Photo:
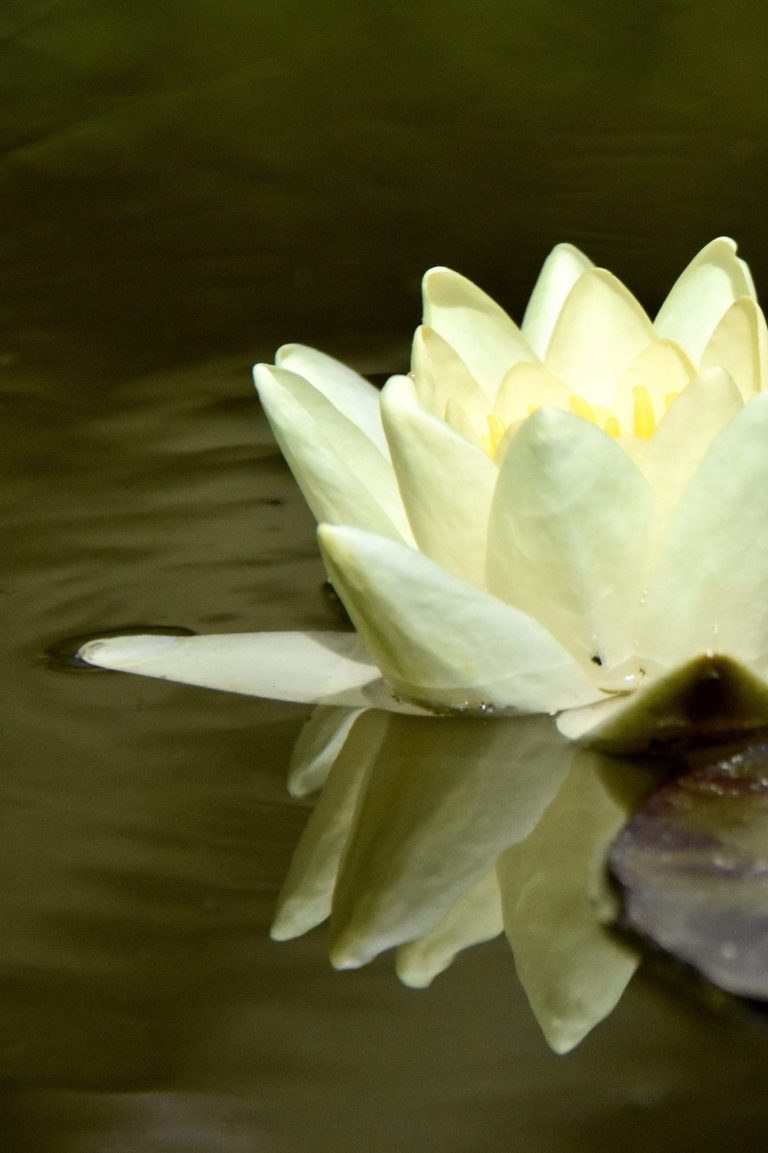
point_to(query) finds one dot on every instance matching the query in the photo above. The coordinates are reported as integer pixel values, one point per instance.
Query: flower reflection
(434, 834)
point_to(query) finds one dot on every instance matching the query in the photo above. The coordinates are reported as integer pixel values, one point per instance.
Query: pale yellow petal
(739, 344)
(560, 271)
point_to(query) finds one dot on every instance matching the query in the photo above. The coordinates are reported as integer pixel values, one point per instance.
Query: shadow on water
(190, 185)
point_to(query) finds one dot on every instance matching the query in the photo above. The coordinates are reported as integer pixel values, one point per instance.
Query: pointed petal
(711, 698)
(739, 344)
(306, 896)
(441, 642)
(573, 971)
(701, 295)
(445, 483)
(599, 332)
(476, 917)
(679, 444)
(560, 271)
(527, 387)
(317, 747)
(344, 477)
(353, 395)
(558, 549)
(707, 591)
(445, 796)
(332, 668)
(487, 340)
(662, 368)
(441, 376)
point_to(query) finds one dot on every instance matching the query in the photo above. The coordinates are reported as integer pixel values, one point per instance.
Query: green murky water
(186, 186)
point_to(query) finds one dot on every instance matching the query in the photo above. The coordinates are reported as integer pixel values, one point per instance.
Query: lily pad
(693, 866)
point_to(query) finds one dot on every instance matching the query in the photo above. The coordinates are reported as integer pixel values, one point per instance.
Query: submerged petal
(443, 799)
(552, 888)
(476, 917)
(485, 337)
(701, 295)
(330, 668)
(558, 549)
(344, 477)
(317, 747)
(306, 896)
(446, 483)
(441, 642)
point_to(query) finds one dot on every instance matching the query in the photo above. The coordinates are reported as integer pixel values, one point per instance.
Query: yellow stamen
(612, 426)
(582, 408)
(496, 430)
(643, 420)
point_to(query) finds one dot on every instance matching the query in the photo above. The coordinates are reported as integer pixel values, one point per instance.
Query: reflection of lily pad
(693, 862)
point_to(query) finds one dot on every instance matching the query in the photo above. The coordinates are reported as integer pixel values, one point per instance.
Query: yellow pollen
(643, 420)
(496, 430)
(582, 408)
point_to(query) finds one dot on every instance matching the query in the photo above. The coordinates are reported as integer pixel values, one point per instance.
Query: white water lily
(561, 517)
(565, 517)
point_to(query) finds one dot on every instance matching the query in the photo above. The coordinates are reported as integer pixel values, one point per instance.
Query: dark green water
(186, 186)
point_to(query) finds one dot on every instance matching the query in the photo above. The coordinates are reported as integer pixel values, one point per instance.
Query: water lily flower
(560, 517)
(565, 517)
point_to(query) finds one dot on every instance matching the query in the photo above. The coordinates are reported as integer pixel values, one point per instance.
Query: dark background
(185, 186)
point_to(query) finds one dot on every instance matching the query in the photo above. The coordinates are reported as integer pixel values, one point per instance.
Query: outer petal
(711, 698)
(344, 477)
(560, 271)
(317, 747)
(475, 917)
(446, 483)
(701, 295)
(445, 796)
(306, 896)
(572, 970)
(441, 642)
(739, 344)
(571, 526)
(487, 340)
(707, 591)
(599, 332)
(693, 421)
(317, 668)
(353, 395)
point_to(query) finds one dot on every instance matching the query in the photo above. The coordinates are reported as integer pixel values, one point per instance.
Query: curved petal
(663, 369)
(353, 395)
(317, 747)
(330, 668)
(306, 896)
(441, 376)
(692, 422)
(572, 970)
(599, 332)
(739, 344)
(702, 294)
(444, 797)
(442, 642)
(707, 591)
(446, 484)
(485, 337)
(527, 387)
(559, 272)
(476, 917)
(560, 548)
(711, 698)
(344, 477)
